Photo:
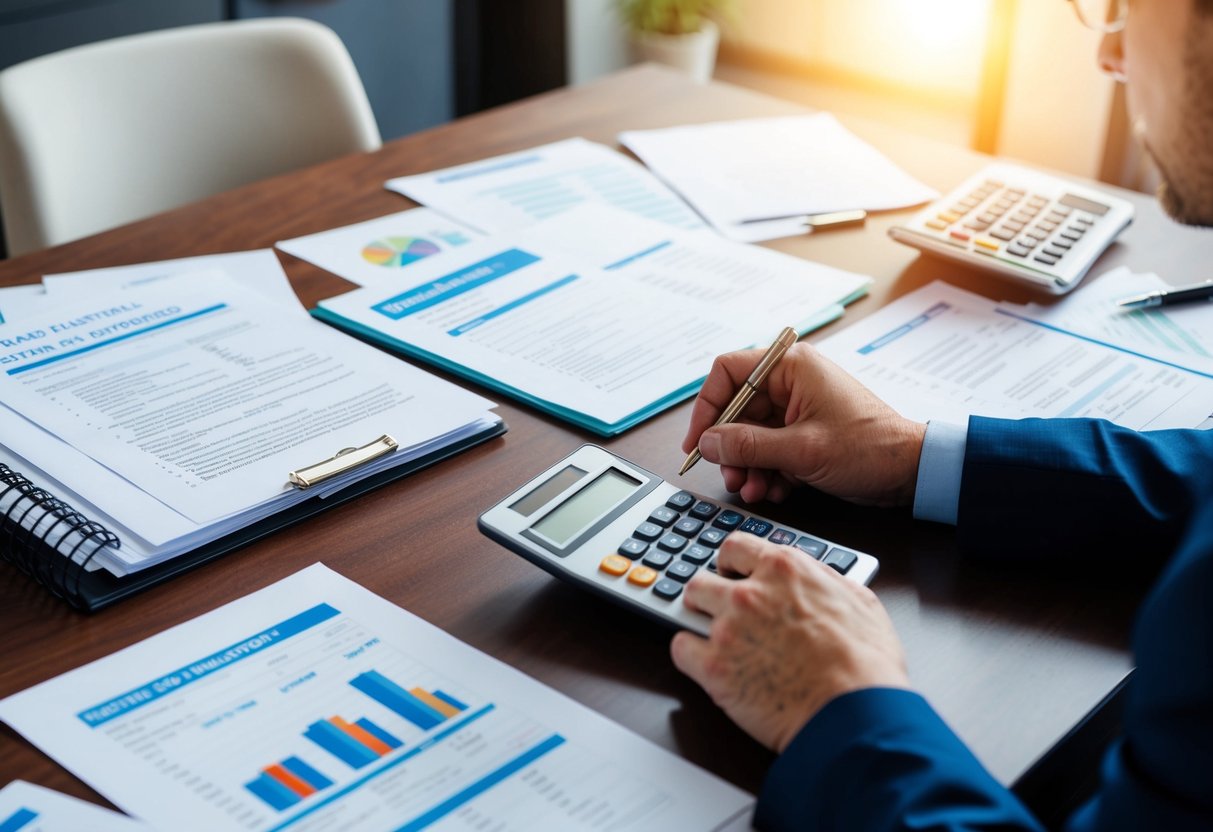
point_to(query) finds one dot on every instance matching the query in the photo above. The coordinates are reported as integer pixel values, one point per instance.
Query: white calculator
(1022, 224)
(620, 531)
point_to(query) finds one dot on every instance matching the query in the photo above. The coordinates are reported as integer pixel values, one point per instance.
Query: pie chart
(398, 251)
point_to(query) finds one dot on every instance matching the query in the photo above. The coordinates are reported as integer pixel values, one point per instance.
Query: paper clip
(347, 459)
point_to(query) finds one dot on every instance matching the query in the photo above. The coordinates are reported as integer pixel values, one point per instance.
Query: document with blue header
(314, 704)
(595, 315)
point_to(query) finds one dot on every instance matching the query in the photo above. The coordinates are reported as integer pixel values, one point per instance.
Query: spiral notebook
(144, 431)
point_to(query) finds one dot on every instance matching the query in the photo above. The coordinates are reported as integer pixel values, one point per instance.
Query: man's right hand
(813, 424)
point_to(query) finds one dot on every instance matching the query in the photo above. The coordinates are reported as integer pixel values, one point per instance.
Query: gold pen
(748, 388)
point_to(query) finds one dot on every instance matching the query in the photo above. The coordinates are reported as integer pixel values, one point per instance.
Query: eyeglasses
(1102, 15)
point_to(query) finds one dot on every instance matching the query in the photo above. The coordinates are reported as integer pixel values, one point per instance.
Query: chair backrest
(104, 134)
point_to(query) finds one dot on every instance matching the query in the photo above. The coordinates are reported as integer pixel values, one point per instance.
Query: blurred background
(1015, 78)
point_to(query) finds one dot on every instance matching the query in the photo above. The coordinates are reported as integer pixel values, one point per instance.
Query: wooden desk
(1010, 661)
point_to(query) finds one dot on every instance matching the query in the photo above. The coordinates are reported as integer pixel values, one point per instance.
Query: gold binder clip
(347, 459)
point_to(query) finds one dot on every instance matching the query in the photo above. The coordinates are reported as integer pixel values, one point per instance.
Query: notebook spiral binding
(46, 538)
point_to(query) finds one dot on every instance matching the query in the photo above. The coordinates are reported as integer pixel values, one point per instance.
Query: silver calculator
(1020, 223)
(611, 527)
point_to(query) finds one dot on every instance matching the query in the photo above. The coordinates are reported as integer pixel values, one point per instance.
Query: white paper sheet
(181, 728)
(598, 312)
(944, 353)
(751, 169)
(258, 270)
(207, 398)
(506, 193)
(25, 807)
(379, 251)
(17, 301)
(1167, 331)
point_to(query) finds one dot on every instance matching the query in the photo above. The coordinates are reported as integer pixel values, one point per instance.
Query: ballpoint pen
(831, 218)
(1181, 294)
(749, 387)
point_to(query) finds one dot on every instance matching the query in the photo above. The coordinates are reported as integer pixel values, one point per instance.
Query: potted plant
(678, 33)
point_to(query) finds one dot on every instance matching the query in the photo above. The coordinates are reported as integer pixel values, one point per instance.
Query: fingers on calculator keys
(615, 565)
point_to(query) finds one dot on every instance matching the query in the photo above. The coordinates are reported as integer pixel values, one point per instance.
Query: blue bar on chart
(423, 708)
(338, 742)
(21, 818)
(284, 784)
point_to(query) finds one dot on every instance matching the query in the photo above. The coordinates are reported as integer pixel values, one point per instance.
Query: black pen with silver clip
(1181, 294)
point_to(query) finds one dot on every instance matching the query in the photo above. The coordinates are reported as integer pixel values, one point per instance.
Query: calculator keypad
(668, 557)
(1015, 224)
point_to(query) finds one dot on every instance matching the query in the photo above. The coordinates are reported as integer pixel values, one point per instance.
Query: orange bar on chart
(444, 708)
(295, 784)
(362, 735)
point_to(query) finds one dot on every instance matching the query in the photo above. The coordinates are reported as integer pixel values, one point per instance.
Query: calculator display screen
(1091, 207)
(610, 489)
(554, 485)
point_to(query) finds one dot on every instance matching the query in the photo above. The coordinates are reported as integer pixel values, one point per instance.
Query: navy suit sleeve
(883, 760)
(1081, 488)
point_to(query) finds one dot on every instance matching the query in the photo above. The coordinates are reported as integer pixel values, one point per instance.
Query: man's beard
(1189, 199)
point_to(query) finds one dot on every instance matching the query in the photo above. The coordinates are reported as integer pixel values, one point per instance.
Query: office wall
(596, 42)
(1056, 109)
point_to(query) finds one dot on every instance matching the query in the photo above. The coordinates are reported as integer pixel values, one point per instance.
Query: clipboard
(68, 580)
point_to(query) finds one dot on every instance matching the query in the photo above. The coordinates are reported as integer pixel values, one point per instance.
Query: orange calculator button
(642, 576)
(614, 565)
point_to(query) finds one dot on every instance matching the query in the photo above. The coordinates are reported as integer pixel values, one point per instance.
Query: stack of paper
(316, 705)
(944, 353)
(173, 410)
(739, 173)
(596, 315)
(25, 807)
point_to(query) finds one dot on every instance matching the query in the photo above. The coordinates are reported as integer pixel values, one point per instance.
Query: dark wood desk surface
(1010, 660)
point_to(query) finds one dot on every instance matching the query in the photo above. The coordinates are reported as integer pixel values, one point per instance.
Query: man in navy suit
(809, 663)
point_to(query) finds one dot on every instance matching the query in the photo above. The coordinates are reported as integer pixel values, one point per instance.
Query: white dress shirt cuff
(937, 497)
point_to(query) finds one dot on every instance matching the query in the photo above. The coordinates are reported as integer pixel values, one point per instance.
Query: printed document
(176, 411)
(1163, 331)
(379, 251)
(314, 704)
(258, 270)
(16, 301)
(509, 192)
(25, 807)
(944, 353)
(738, 171)
(596, 315)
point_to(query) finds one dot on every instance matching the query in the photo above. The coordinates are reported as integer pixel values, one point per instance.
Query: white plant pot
(694, 53)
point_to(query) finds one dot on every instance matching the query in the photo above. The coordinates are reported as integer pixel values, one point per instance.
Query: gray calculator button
(782, 537)
(688, 526)
(1071, 235)
(667, 589)
(648, 531)
(681, 501)
(728, 520)
(633, 548)
(1062, 244)
(663, 516)
(1054, 251)
(1004, 234)
(840, 560)
(1018, 250)
(811, 546)
(681, 571)
(697, 554)
(1047, 259)
(657, 560)
(712, 537)
(704, 510)
(757, 527)
(672, 542)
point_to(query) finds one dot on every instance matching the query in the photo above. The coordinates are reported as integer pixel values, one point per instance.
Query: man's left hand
(787, 636)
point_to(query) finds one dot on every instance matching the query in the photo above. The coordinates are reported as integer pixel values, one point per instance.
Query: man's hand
(812, 423)
(785, 639)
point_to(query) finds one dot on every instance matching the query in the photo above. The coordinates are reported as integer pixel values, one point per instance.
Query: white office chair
(104, 134)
